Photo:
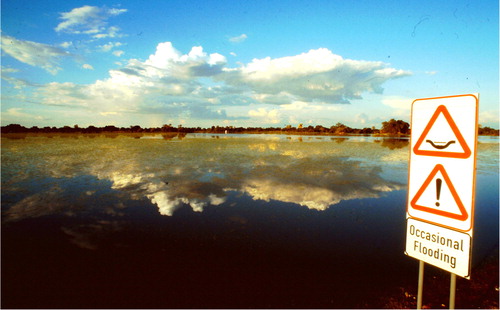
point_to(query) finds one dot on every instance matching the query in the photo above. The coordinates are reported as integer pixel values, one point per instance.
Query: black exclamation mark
(438, 190)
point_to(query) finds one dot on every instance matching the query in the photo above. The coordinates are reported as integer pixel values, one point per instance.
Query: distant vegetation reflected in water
(199, 172)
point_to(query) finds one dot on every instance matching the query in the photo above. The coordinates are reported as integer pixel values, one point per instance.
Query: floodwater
(213, 221)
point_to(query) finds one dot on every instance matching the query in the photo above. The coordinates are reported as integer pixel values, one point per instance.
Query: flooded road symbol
(440, 145)
(442, 127)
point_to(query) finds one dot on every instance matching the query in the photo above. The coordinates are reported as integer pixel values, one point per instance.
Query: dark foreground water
(214, 221)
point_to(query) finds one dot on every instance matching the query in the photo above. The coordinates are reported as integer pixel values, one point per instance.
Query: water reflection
(395, 143)
(316, 184)
(197, 173)
(339, 140)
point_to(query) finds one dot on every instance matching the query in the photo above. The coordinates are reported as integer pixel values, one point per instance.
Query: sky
(243, 63)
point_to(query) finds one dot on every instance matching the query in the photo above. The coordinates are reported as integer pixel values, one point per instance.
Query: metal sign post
(420, 284)
(441, 185)
(453, 286)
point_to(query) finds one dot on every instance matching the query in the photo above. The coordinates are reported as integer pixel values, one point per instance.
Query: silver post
(453, 286)
(420, 284)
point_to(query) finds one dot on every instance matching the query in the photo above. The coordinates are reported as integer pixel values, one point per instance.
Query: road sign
(443, 147)
(441, 247)
(440, 210)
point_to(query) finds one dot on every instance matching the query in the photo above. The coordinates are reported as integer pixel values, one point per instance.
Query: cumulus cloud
(166, 80)
(318, 75)
(87, 67)
(167, 61)
(89, 20)
(34, 54)
(201, 85)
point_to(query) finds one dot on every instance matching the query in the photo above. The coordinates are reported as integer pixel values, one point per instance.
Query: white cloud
(118, 53)
(87, 67)
(265, 115)
(362, 118)
(238, 39)
(167, 61)
(489, 118)
(108, 113)
(9, 70)
(89, 20)
(167, 81)
(66, 44)
(16, 82)
(199, 85)
(398, 102)
(109, 46)
(34, 54)
(64, 94)
(114, 12)
(19, 114)
(111, 32)
(302, 105)
(318, 75)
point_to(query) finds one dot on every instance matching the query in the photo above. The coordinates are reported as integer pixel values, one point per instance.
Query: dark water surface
(204, 221)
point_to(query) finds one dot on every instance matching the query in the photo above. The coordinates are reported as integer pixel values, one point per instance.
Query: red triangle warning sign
(441, 137)
(441, 199)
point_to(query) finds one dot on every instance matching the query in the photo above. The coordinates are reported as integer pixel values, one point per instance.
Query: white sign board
(444, 248)
(442, 171)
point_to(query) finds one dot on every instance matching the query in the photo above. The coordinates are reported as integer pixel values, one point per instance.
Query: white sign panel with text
(444, 248)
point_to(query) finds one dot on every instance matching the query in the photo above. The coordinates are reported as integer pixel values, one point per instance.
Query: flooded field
(214, 221)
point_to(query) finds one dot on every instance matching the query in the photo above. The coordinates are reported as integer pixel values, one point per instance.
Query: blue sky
(243, 63)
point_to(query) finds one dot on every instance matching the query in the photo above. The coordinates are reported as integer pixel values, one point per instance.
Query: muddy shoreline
(480, 292)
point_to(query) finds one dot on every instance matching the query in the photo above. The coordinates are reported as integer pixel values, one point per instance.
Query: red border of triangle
(461, 217)
(456, 131)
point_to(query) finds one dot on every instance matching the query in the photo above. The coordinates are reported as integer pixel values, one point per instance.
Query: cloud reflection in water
(199, 172)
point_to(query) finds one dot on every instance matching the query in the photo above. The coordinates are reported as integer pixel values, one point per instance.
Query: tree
(110, 128)
(487, 131)
(395, 127)
(320, 128)
(340, 129)
(135, 128)
(167, 128)
(13, 128)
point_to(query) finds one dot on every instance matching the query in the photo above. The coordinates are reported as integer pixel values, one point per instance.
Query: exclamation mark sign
(438, 190)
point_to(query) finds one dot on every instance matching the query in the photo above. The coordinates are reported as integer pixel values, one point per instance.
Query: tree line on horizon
(392, 127)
